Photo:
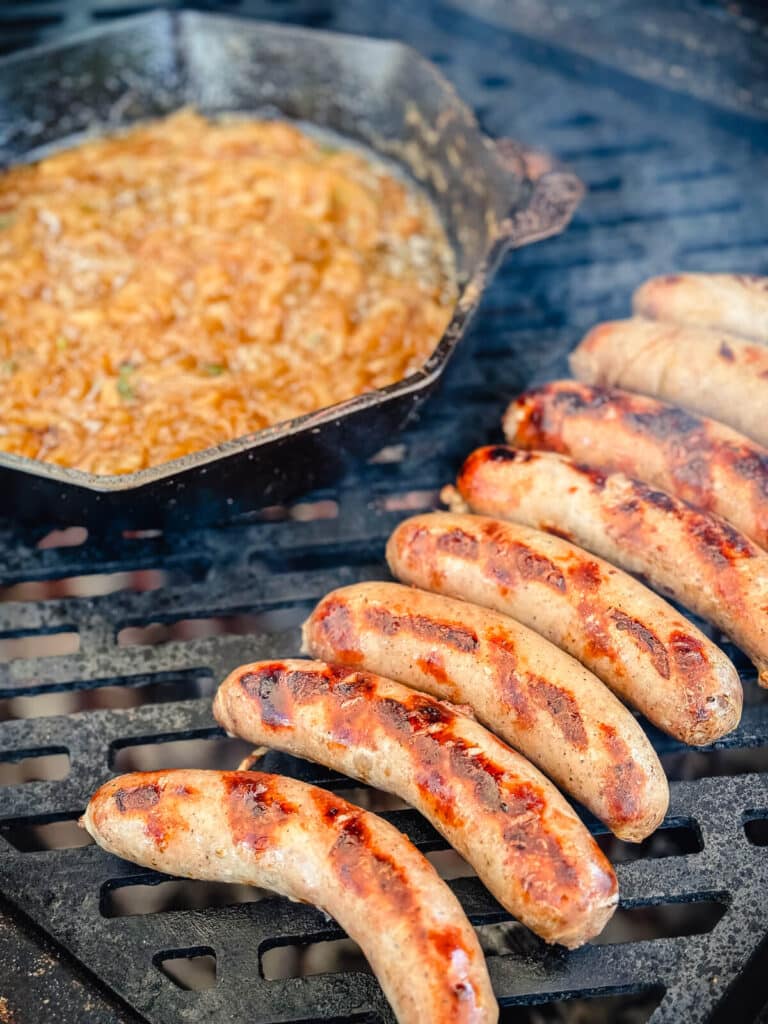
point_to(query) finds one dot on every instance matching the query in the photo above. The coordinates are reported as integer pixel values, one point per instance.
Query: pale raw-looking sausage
(638, 644)
(310, 845)
(709, 372)
(526, 844)
(694, 458)
(536, 697)
(692, 556)
(723, 302)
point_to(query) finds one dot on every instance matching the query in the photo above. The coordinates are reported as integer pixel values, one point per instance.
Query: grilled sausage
(709, 372)
(692, 556)
(527, 845)
(312, 846)
(628, 636)
(691, 457)
(724, 302)
(535, 696)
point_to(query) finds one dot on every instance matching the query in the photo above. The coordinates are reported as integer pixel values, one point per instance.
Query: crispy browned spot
(264, 687)
(368, 871)
(139, 798)
(333, 621)
(644, 638)
(509, 561)
(255, 809)
(692, 664)
(459, 543)
(595, 477)
(562, 708)
(585, 575)
(718, 540)
(726, 352)
(624, 781)
(433, 665)
(432, 630)
(512, 688)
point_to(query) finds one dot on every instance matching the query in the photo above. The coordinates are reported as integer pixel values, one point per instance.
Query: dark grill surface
(674, 183)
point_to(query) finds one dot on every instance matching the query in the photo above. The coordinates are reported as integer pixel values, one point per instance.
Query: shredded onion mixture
(191, 281)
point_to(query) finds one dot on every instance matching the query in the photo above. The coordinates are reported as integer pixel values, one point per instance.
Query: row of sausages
(513, 627)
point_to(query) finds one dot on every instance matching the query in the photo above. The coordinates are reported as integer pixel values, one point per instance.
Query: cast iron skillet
(380, 94)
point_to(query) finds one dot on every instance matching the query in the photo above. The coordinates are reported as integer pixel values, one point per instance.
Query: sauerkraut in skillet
(191, 281)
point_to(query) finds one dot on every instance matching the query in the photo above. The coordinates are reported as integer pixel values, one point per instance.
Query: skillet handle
(555, 195)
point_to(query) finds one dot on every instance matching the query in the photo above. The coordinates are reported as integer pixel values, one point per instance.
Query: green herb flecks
(6, 219)
(125, 382)
(213, 369)
(61, 343)
(9, 366)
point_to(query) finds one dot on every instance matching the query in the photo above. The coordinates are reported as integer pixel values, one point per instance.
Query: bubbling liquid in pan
(191, 281)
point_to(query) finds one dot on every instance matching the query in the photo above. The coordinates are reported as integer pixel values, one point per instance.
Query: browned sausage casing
(501, 814)
(723, 302)
(535, 696)
(692, 556)
(694, 458)
(310, 845)
(628, 636)
(712, 373)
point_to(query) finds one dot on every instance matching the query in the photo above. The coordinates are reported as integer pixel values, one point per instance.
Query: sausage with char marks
(696, 459)
(692, 556)
(642, 648)
(308, 844)
(538, 698)
(526, 844)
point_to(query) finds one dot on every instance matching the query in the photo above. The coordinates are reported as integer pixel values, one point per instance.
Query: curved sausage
(696, 459)
(309, 845)
(634, 641)
(692, 556)
(526, 844)
(712, 373)
(535, 696)
(723, 302)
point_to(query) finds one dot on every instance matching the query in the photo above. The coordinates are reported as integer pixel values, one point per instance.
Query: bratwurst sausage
(694, 458)
(724, 302)
(634, 641)
(709, 372)
(310, 845)
(526, 844)
(535, 696)
(692, 556)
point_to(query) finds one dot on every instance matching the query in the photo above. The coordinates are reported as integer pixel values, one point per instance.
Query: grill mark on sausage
(365, 870)
(421, 626)
(586, 575)
(459, 543)
(513, 689)
(255, 809)
(645, 639)
(509, 561)
(503, 453)
(434, 666)
(692, 664)
(751, 466)
(265, 687)
(139, 798)
(624, 781)
(562, 708)
(333, 620)
(595, 477)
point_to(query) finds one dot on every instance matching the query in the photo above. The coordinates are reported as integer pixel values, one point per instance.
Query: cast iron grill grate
(672, 185)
